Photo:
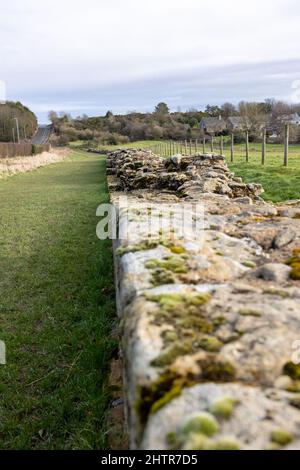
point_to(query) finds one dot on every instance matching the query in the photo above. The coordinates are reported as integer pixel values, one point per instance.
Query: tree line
(162, 124)
(16, 118)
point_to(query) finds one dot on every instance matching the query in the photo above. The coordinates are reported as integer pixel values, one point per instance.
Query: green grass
(138, 144)
(280, 183)
(57, 309)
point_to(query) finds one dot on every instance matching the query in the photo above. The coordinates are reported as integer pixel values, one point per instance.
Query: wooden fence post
(286, 144)
(190, 146)
(263, 146)
(203, 144)
(212, 144)
(196, 145)
(232, 147)
(247, 146)
(221, 145)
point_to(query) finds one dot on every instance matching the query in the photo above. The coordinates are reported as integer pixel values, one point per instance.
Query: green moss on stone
(277, 292)
(168, 356)
(197, 441)
(216, 370)
(220, 253)
(170, 336)
(223, 407)
(249, 312)
(166, 398)
(292, 370)
(172, 300)
(148, 395)
(161, 277)
(281, 437)
(173, 441)
(203, 423)
(210, 343)
(294, 263)
(144, 245)
(249, 264)
(177, 249)
(226, 444)
(175, 264)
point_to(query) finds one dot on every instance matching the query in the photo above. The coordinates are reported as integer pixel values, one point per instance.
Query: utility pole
(286, 143)
(263, 146)
(17, 126)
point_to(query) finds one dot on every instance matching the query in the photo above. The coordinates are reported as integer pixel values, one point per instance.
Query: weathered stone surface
(284, 238)
(273, 272)
(255, 416)
(208, 324)
(139, 169)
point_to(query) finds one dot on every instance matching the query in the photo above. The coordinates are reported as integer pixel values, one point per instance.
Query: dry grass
(12, 166)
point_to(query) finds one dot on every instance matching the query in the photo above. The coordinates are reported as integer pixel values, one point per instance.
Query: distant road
(42, 135)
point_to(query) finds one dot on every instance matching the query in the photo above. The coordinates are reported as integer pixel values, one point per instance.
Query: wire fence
(217, 145)
(27, 149)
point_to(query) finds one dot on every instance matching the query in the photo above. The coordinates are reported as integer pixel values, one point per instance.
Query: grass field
(138, 144)
(57, 308)
(280, 183)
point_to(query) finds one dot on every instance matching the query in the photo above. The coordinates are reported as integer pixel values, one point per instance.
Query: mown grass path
(57, 307)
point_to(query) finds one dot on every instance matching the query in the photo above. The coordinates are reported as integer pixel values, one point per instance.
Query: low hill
(26, 119)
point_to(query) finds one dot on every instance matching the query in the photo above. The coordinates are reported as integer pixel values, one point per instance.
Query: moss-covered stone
(203, 423)
(186, 313)
(210, 343)
(226, 443)
(170, 336)
(167, 384)
(197, 441)
(173, 441)
(249, 264)
(292, 370)
(249, 312)
(166, 398)
(175, 264)
(223, 407)
(144, 245)
(281, 437)
(168, 356)
(294, 263)
(177, 249)
(162, 276)
(216, 370)
(173, 299)
(277, 292)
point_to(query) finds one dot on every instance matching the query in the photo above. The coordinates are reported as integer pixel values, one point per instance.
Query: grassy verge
(57, 308)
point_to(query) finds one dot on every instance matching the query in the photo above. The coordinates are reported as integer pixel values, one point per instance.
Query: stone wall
(208, 325)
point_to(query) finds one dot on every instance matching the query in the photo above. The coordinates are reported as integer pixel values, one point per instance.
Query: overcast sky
(93, 55)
